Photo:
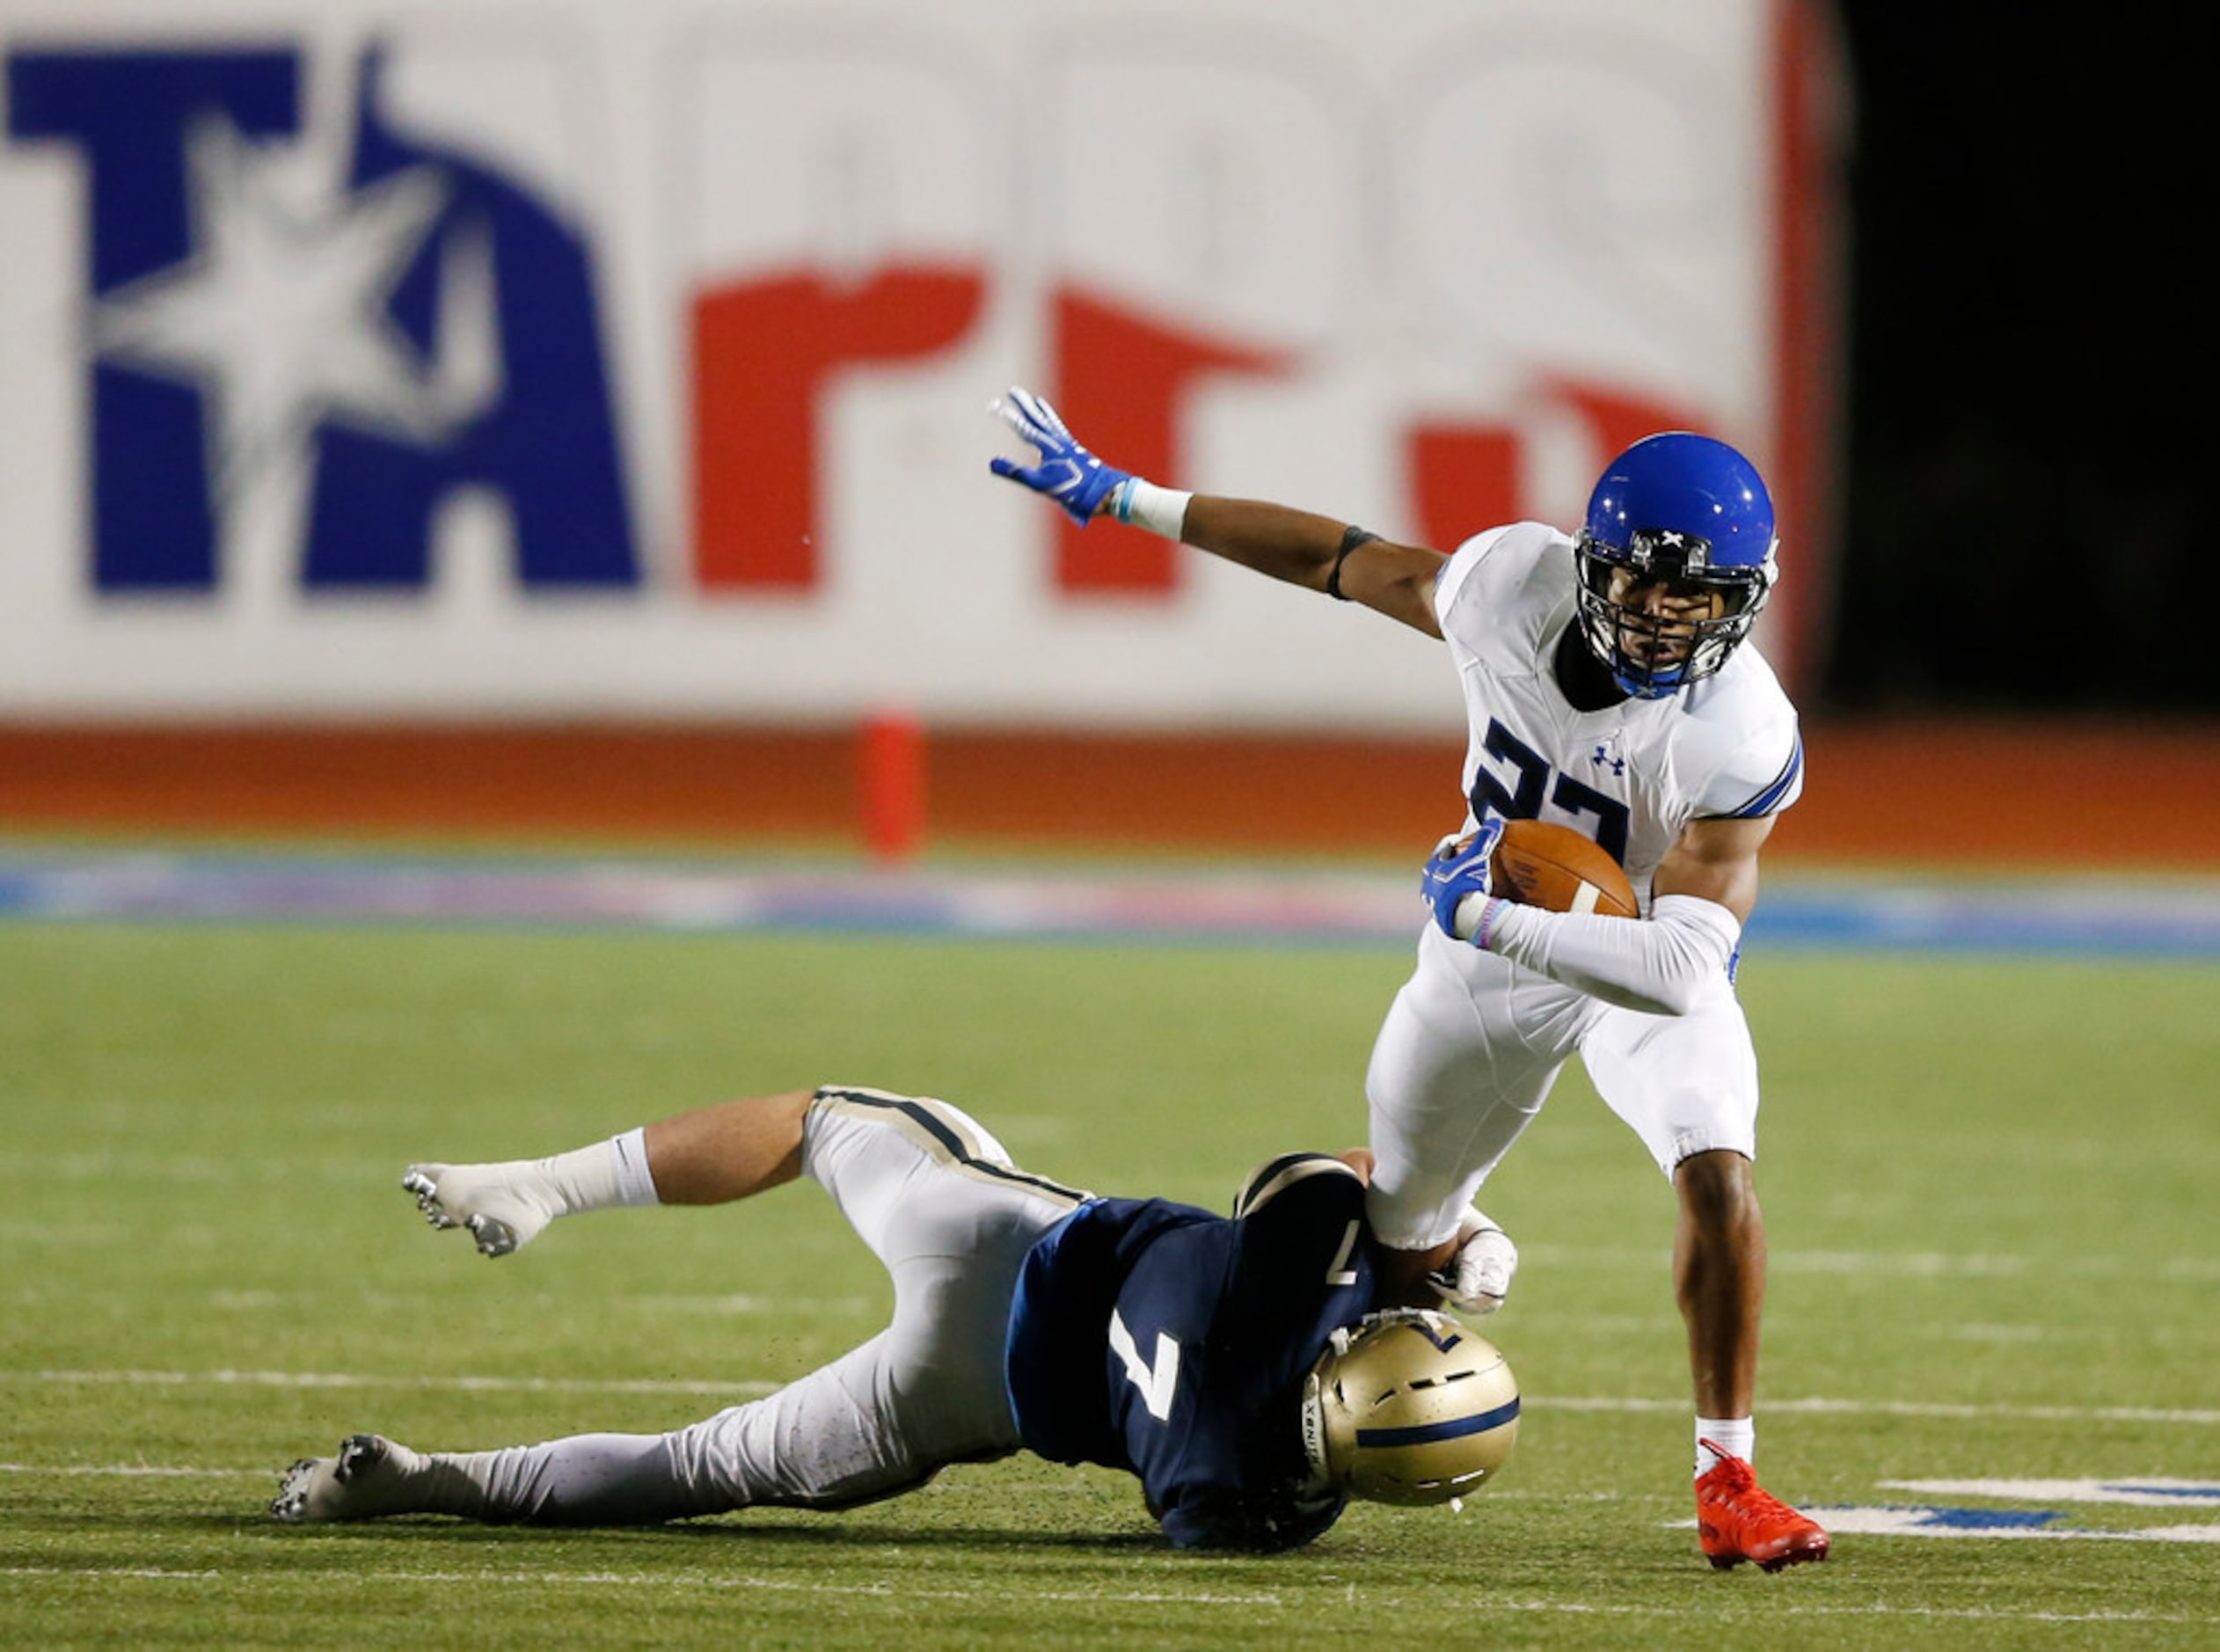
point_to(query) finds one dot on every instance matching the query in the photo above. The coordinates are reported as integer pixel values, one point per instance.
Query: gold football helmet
(1408, 1407)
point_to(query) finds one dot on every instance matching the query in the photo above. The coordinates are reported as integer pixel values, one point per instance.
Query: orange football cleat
(1737, 1520)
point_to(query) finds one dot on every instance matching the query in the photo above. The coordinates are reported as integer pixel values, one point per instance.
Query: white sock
(1735, 1437)
(635, 1184)
(611, 1172)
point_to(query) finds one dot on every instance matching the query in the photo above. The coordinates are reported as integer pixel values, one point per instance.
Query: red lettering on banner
(1463, 477)
(1120, 379)
(763, 351)
(1466, 478)
(1618, 419)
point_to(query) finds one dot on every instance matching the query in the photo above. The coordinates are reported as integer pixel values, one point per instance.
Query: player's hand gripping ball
(1540, 863)
(1456, 878)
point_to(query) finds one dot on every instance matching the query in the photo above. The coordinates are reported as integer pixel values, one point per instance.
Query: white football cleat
(368, 1478)
(1478, 1276)
(502, 1217)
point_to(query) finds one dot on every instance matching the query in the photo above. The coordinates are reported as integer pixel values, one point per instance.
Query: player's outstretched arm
(1320, 554)
(1297, 547)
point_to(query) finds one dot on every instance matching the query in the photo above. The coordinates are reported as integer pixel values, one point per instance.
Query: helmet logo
(1686, 552)
(1443, 1339)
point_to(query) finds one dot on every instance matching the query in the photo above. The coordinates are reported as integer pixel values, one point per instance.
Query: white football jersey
(1630, 776)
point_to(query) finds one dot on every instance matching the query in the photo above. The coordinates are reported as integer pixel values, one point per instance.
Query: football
(1539, 863)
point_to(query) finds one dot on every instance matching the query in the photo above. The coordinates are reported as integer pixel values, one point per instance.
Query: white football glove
(1478, 1276)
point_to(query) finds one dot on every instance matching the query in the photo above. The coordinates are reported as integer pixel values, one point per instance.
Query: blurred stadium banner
(1964, 793)
(630, 359)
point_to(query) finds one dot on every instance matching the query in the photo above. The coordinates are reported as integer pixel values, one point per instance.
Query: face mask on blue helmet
(1687, 515)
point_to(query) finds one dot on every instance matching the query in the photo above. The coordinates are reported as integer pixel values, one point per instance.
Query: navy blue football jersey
(1162, 1339)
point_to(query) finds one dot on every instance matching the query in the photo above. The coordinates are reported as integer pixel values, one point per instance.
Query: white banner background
(1429, 211)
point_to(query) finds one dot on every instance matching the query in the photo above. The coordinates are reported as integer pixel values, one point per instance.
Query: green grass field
(1991, 1190)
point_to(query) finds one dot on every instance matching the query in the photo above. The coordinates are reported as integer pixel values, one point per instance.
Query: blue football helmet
(1677, 520)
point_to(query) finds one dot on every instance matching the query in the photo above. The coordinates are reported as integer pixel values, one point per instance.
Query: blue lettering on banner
(425, 327)
(127, 112)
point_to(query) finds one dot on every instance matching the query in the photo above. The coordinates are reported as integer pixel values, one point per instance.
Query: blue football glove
(1458, 871)
(1067, 473)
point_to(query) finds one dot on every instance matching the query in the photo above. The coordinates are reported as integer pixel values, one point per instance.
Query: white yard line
(132, 1471)
(1819, 1406)
(1889, 1264)
(1815, 1404)
(741, 1389)
(2144, 1491)
(907, 1590)
(1951, 1525)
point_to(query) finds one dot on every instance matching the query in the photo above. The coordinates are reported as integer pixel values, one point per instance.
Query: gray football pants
(938, 1201)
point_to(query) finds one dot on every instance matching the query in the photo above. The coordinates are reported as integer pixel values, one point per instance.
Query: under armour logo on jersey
(1606, 756)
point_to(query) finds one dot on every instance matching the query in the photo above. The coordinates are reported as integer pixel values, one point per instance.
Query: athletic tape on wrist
(1487, 921)
(1161, 510)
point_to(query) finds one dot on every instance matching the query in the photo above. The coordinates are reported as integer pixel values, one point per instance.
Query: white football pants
(938, 1201)
(1471, 1048)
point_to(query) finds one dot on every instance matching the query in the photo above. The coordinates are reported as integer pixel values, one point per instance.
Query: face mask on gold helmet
(1408, 1407)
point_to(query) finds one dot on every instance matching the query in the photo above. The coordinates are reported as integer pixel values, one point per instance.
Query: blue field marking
(2150, 1492)
(1894, 1520)
(2080, 917)
(1989, 1519)
(2139, 917)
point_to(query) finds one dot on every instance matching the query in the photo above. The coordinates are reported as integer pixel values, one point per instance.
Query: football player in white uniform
(1608, 685)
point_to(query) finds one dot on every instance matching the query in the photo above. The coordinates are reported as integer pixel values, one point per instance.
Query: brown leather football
(1540, 863)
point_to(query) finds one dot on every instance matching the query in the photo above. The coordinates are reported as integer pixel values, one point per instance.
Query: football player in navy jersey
(1608, 685)
(1235, 1365)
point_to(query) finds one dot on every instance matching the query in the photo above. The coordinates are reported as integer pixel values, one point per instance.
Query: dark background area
(2030, 419)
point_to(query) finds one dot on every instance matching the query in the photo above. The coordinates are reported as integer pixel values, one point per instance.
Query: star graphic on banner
(279, 314)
